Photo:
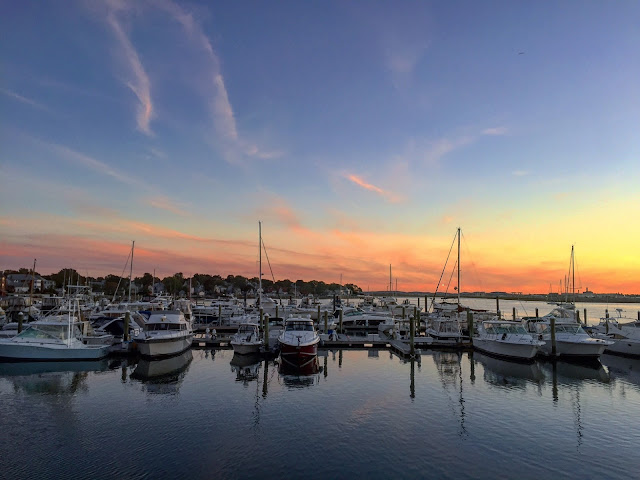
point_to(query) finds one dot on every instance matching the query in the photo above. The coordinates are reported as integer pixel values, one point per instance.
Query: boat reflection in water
(164, 375)
(51, 378)
(623, 368)
(576, 370)
(246, 367)
(300, 376)
(505, 373)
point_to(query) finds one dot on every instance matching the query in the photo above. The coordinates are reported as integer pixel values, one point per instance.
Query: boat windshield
(246, 329)
(150, 327)
(573, 328)
(58, 332)
(299, 326)
(505, 328)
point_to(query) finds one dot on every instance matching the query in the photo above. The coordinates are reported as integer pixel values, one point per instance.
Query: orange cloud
(367, 186)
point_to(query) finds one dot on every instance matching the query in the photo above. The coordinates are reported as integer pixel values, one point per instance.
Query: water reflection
(246, 367)
(623, 368)
(449, 367)
(294, 376)
(507, 374)
(50, 378)
(163, 375)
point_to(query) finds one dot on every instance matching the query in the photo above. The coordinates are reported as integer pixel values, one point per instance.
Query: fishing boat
(165, 333)
(248, 339)
(299, 341)
(53, 338)
(506, 339)
(624, 333)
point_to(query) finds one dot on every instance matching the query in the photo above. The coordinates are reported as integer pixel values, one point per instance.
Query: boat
(49, 339)
(299, 341)
(506, 339)
(625, 335)
(571, 340)
(248, 339)
(165, 333)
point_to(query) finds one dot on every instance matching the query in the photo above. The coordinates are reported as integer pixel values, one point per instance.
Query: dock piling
(326, 322)
(266, 332)
(127, 318)
(553, 337)
(514, 314)
(341, 330)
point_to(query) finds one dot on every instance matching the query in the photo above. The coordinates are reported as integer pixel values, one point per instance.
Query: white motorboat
(299, 341)
(571, 339)
(506, 339)
(248, 339)
(625, 335)
(53, 338)
(164, 333)
(445, 330)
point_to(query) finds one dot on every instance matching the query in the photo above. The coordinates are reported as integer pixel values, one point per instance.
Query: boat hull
(163, 347)
(586, 349)
(499, 348)
(15, 352)
(625, 346)
(298, 355)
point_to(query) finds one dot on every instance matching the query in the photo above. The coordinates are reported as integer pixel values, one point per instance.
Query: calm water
(365, 414)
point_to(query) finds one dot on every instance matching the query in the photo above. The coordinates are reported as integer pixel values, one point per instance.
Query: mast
(33, 280)
(458, 269)
(133, 243)
(573, 276)
(390, 281)
(260, 263)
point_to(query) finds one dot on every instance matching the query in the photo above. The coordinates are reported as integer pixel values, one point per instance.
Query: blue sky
(361, 133)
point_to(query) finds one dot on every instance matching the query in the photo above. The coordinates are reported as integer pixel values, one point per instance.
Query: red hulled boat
(299, 341)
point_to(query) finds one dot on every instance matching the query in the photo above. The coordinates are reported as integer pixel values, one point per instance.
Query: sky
(361, 134)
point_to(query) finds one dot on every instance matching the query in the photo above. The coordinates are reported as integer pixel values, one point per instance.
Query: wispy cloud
(24, 100)
(221, 110)
(138, 80)
(91, 163)
(390, 196)
(495, 131)
(165, 203)
(277, 210)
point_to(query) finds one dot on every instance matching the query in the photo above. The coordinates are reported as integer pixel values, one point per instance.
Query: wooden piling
(553, 337)
(412, 334)
(514, 314)
(277, 310)
(318, 317)
(20, 315)
(498, 306)
(470, 324)
(127, 318)
(578, 316)
(326, 322)
(262, 319)
(536, 313)
(220, 314)
(585, 316)
(341, 330)
(266, 332)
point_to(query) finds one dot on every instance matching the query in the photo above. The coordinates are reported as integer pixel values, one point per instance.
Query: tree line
(178, 284)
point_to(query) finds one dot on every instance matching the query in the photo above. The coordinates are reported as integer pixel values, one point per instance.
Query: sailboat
(570, 338)
(247, 340)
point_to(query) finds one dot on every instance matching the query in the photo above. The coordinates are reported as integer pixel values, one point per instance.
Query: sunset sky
(361, 134)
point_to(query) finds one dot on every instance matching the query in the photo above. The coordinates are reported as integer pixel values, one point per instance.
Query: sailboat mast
(458, 268)
(390, 281)
(133, 243)
(260, 263)
(573, 276)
